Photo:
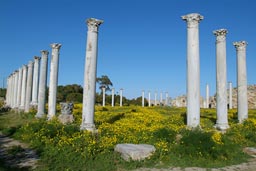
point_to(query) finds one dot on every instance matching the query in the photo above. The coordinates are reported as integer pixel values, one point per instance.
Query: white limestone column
(7, 91)
(155, 98)
(53, 80)
(19, 87)
(242, 106)
(121, 97)
(16, 79)
(193, 69)
(221, 80)
(230, 95)
(103, 96)
(12, 91)
(161, 98)
(143, 98)
(149, 101)
(113, 97)
(207, 96)
(90, 75)
(42, 84)
(35, 80)
(166, 98)
(23, 87)
(29, 86)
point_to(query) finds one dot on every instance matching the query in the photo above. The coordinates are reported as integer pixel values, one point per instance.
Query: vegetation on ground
(65, 147)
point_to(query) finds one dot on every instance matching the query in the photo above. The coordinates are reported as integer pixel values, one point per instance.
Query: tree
(104, 81)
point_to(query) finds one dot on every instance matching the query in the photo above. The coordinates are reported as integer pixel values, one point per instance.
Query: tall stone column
(121, 97)
(143, 98)
(29, 86)
(12, 91)
(149, 101)
(166, 98)
(53, 80)
(155, 98)
(161, 98)
(103, 96)
(193, 69)
(42, 84)
(242, 106)
(221, 80)
(230, 95)
(207, 96)
(35, 80)
(16, 79)
(113, 97)
(23, 87)
(90, 74)
(19, 88)
(7, 91)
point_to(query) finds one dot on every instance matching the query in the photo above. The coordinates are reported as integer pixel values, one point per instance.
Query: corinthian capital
(37, 58)
(241, 45)
(55, 46)
(221, 34)
(44, 52)
(93, 24)
(192, 19)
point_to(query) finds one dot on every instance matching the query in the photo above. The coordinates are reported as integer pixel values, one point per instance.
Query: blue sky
(141, 45)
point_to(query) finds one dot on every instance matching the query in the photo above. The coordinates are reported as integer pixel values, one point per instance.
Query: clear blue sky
(142, 43)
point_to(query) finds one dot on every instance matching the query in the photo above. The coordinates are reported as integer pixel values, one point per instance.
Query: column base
(39, 115)
(89, 127)
(221, 126)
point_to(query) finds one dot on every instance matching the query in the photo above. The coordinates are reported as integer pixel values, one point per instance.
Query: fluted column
(143, 98)
(23, 87)
(29, 86)
(35, 80)
(42, 84)
(230, 95)
(221, 80)
(121, 97)
(207, 96)
(113, 97)
(242, 106)
(19, 88)
(90, 74)
(53, 80)
(193, 69)
(103, 96)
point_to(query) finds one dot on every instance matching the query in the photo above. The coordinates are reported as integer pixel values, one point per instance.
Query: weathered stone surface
(66, 113)
(135, 151)
(66, 119)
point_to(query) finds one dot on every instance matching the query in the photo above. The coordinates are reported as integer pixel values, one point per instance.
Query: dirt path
(16, 154)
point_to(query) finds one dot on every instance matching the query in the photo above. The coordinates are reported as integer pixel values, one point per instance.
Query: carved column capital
(192, 19)
(241, 45)
(93, 24)
(55, 46)
(220, 34)
(37, 58)
(44, 52)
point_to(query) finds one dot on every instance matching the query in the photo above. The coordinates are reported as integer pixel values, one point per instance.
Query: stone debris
(135, 151)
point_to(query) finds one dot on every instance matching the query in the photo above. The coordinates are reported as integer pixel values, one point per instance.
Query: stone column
(42, 84)
(113, 97)
(207, 96)
(16, 79)
(193, 69)
(143, 98)
(90, 75)
(23, 87)
(121, 97)
(166, 99)
(35, 81)
(242, 106)
(230, 95)
(103, 96)
(155, 98)
(29, 86)
(149, 102)
(19, 88)
(7, 91)
(12, 91)
(161, 98)
(53, 80)
(221, 80)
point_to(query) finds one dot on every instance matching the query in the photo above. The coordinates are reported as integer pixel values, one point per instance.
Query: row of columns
(26, 87)
(193, 75)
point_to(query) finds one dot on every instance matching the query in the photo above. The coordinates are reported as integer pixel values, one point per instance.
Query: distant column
(12, 90)
(90, 75)
(230, 95)
(166, 98)
(242, 106)
(7, 91)
(121, 97)
(207, 96)
(103, 96)
(35, 80)
(221, 80)
(155, 98)
(149, 102)
(42, 84)
(161, 98)
(53, 80)
(23, 87)
(16, 79)
(29, 86)
(113, 97)
(19, 88)
(143, 98)
(193, 69)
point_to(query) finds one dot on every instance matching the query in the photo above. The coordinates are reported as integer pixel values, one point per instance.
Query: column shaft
(29, 87)
(113, 97)
(103, 96)
(23, 87)
(230, 95)
(149, 101)
(35, 81)
(143, 98)
(121, 97)
(19, 88)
